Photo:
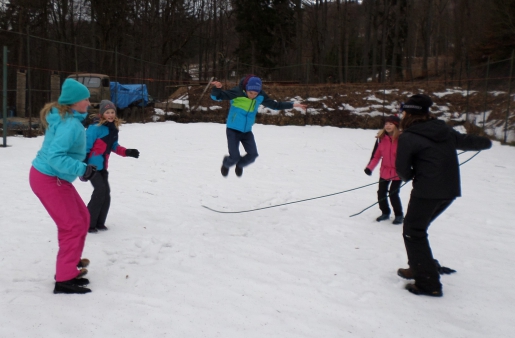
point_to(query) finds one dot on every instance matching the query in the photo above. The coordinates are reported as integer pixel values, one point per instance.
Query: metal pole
(116, 74)
(142, 77)
(307, 72)
(486, 91)
(76, 58)
(29, 98)
(468, 91)
(4, 105)
(143, 102)
(509, 99)
(445, 72)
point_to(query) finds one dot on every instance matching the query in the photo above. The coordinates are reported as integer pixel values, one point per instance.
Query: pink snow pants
(71, 216)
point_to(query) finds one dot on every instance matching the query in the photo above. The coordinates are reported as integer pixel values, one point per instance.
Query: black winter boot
(238, 171)
(398, 219)
(418, 291)
(92, 230)
(102, 228)
(383, 217)
(79, 281)
(69, 287)
(224, 171)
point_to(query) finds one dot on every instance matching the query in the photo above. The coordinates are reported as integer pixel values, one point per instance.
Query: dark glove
(89, 173)
(132, 153)
(368, 172)
(443, 270)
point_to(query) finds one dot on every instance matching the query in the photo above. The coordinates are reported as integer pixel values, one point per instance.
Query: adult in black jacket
(427, 155)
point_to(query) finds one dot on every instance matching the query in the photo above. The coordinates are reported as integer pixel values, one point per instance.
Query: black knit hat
(418, 104)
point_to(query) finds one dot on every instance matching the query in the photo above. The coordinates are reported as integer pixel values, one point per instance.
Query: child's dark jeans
(234, 137)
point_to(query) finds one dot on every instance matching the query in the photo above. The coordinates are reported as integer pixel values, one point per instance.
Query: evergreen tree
(266, 28)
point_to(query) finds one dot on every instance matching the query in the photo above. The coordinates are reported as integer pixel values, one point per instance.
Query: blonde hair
(117, 121)
(62, 109)
(396, 133)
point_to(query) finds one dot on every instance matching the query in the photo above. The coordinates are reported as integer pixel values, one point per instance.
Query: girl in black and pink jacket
(102, 139)
(385, 150)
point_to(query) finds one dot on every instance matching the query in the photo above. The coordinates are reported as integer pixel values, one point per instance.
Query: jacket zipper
(247, 117)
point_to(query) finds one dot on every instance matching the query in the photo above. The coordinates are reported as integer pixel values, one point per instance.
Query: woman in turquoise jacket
(245, 101)
(57, 164)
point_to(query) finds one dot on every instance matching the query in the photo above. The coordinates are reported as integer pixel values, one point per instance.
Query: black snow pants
(100, 201)
(421, 212)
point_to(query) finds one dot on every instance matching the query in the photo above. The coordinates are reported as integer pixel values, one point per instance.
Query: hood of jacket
(54, 117)
(241, 83)
(244, 80)
(435, 130)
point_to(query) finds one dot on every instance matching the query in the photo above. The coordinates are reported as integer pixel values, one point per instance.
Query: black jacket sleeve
(374, 150)
(218, 94)
(404, 160)
(471, 142)
(272, 104)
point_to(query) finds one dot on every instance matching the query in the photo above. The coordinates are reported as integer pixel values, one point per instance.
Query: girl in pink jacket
(386, 151)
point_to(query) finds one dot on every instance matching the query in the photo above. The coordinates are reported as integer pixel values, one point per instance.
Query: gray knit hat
(105, 105)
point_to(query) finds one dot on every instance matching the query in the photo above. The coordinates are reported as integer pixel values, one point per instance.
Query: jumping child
(102, 138)
(245, 100)
(385, 150)
(56, 166)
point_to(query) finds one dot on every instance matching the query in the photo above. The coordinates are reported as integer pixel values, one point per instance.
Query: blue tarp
(123, 95)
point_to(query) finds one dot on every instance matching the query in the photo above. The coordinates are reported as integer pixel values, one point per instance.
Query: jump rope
(333, 194)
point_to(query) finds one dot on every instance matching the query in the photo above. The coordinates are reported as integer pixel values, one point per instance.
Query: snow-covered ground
(168, 267)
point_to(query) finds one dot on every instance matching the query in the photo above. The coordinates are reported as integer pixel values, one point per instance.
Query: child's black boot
(224, 171)
(238, 171)
(383, 217)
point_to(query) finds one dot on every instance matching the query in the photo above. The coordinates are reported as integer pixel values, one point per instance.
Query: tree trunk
(368, 32)
(339, 40)
(393, 69)
(426, 35)
(346, 34)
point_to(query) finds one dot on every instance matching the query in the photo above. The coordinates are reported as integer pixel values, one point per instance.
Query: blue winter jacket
(64, 147)
(242, 113)
(100, 141)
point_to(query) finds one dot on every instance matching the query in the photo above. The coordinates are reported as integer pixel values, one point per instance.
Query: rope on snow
(405, 184)
(318, 197)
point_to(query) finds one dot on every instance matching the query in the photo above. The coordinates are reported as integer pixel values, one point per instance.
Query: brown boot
(405, 273)
(82, 273)
(83, 263)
